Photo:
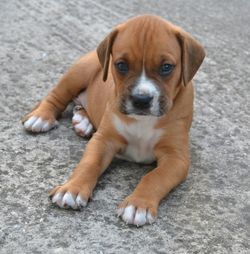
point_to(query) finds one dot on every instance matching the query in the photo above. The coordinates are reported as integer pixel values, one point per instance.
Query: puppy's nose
(141, 101)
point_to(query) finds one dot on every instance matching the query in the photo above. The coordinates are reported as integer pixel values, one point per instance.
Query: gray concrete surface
(209, 213)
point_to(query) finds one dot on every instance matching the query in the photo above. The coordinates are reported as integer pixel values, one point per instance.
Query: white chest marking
(141, 137)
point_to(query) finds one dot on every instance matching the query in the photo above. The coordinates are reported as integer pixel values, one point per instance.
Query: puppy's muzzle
(141, 101)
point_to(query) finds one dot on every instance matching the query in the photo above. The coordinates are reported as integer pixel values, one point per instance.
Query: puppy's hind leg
(44, 116)
(80, 121)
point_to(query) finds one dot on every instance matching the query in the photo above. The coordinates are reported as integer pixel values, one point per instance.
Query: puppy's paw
(69, 196)
(38, 124)
(38, 121)
(137, 211)
(82, 125)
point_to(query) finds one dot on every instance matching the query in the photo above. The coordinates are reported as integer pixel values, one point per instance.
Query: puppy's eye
(166, 69)
(122, 67)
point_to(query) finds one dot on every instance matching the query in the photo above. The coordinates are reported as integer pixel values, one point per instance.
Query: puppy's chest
(141, 138)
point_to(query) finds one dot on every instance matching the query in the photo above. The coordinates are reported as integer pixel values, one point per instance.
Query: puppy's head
(150, 59)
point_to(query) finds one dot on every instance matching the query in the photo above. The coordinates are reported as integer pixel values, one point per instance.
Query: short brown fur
(171, 152)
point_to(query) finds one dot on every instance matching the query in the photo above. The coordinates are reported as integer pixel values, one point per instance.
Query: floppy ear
(192, 55)
(104, 50)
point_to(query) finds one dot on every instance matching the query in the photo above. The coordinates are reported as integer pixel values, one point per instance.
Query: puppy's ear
(104, 50)
(192, 55)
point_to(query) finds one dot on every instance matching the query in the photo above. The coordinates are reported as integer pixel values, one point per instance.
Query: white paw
(137, 217)
(37, 124)
(82, 125)
(68, 200)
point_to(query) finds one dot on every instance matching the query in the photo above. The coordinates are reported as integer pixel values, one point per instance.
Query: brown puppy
(136, 91)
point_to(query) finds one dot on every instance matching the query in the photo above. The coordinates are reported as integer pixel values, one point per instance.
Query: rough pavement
(209, 213)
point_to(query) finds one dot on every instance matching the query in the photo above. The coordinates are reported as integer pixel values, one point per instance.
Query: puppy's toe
(81, 202)
(57, 199)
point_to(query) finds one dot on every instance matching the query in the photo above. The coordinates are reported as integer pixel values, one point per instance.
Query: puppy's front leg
(141, 206)
(76, 192)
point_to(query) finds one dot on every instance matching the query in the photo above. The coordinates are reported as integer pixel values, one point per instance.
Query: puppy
(136, 91)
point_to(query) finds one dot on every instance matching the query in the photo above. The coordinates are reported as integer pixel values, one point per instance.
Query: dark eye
(122, 67)
(166, 69)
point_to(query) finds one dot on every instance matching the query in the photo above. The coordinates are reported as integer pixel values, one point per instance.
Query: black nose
(141, 101)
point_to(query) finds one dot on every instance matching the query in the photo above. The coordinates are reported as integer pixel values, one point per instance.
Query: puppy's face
(146, 68)
(147, 65)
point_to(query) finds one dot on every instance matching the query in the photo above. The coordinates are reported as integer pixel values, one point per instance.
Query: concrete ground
(209, 213)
